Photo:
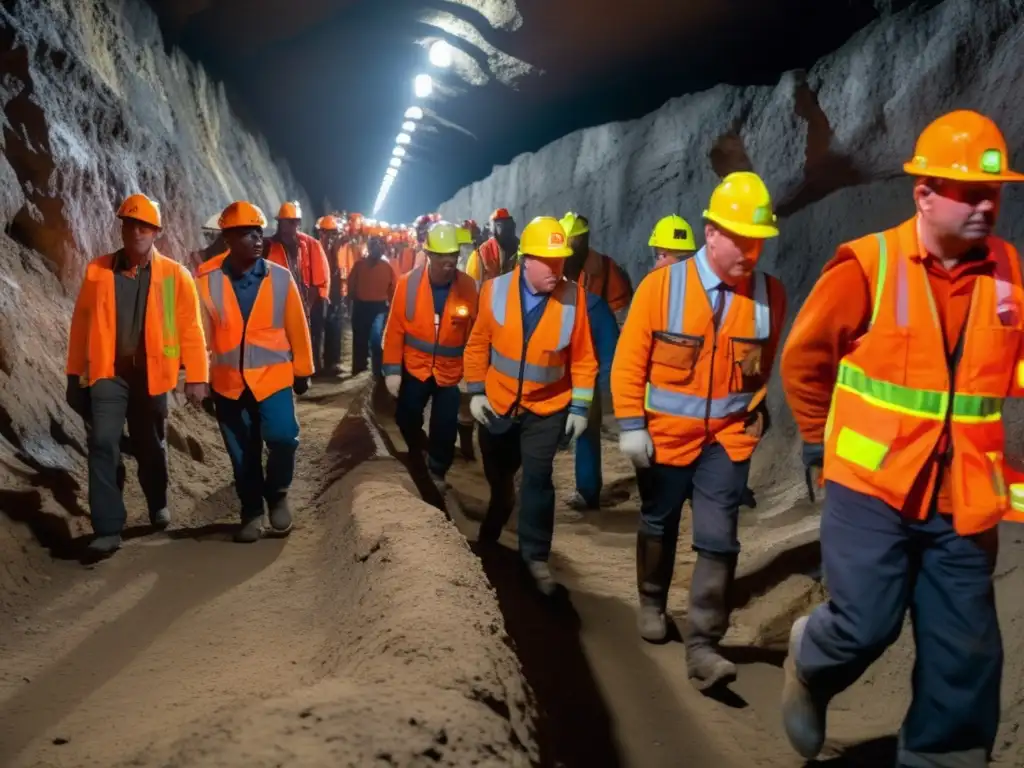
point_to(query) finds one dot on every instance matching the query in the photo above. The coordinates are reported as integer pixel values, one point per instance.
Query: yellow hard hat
(673, 233)
(141, 208)
(242, 214)
(463, 236)
(290, 210)
(442, 238)
(544, 237)
(574, 224)
(741, 205)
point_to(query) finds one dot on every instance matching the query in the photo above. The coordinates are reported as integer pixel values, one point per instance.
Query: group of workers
(895, 370)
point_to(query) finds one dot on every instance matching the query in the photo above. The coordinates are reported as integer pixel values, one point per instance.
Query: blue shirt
(246, 285)
(604, 329)
(712, 283)
(533, 307)
(440, 293)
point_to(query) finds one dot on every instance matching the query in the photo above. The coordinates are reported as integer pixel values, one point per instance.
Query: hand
(813, 455)
(77, 397)
(637, 446)
(575, 425)
(393, 383)
(301, 385)
(481, 409)
(196, 393)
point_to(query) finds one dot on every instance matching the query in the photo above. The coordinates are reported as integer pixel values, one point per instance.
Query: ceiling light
(403, 138)
(409, 126)
(392, 172)
(440, 54)
(396, 162)
(414, 113)
(423, 86)
(398, 151)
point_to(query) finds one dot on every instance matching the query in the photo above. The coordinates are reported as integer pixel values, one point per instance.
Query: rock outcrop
(830, 142)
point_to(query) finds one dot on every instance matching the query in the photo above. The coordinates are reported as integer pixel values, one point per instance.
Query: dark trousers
(878, 564)
(714, 482)
(246, 425)
(367, 334)
(113, 403)
(444, 419)
(531, 442)
(588, 457)
(332, 335)
(317, 318)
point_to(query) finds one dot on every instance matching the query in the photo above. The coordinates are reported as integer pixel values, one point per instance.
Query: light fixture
(423, 86)
(409, 126)
(396, 162)
(414, 113)
(440, 54)
(392, 172)
(398, 151)
(403, 138)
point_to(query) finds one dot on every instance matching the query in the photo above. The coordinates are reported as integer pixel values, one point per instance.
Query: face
(957, 210)
(580, 244)
(732, 257)
(288, 229)
(666, 258)
(543, 274)
(443, 267)
(138, 237)
(244, 243)
(504, 230)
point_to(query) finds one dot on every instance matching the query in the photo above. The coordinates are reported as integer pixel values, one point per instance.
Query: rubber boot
(280, 516)
(803, 713)
(160, 519)
(104, 546)
(653, 576)
(466, 442)
(250, 530)
(541, 574)
(708, 620)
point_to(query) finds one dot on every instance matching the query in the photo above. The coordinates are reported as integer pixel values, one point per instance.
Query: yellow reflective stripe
(1017, 497)
(883, 266)
(1020, 373)
(998, 483)
(860, 450)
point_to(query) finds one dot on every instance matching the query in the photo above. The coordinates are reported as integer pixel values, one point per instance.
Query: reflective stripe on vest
(429, 347)
(690, 406)
(255, 355)
(171, 346)
(535, 374)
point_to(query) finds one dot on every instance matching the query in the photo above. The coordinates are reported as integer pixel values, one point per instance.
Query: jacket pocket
(676, 350)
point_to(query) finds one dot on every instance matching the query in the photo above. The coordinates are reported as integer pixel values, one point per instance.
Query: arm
(394, 333)
(633, 353)
(190, 331)
(78, 337)
(392, 278)
(477, 357)
(835, 314)
(324, 269)
(779, 305)
(620, 291)
(605, 330)
(297, 330)
(582, 360)
(353, 281)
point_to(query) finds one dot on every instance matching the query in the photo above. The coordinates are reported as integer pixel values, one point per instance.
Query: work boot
(466, 442)
(439, 482)
(708, 619)
(803, 713)
(280, 516)
(540, 572)
(579, 503)
(653, 576)
(160, 519)
(250, 530)
(105, 545)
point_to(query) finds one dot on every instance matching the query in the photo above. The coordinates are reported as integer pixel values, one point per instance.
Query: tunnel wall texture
(92, 109)
(830, 143)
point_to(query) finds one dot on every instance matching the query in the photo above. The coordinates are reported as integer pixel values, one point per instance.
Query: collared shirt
(131, 292)
(533, 307)
(712, 283)
(246, 285)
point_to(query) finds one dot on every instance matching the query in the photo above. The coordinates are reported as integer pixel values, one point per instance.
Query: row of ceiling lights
(440, 54)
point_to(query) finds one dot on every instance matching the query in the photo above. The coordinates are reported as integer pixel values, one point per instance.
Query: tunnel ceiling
(327, 81)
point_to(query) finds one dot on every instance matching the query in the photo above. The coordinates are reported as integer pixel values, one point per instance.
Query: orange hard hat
(290, 210)
(327, 223)
(242, 214)
(963, 146)
(501, 213)
(141, 208)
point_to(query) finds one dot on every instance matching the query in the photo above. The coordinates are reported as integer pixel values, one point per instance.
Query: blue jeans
(368, 318)
(246, 426)
(877, 565)
(444, 419)
(604, 331)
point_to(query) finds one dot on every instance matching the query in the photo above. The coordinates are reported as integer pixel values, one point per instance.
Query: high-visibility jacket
(372, 280)
(314, 270)
(348, 255)
(265, 353)
(897, 390)
(174, 333)
(687, 384)
(428, 344)
(485, 263)
(405, 260)
(603, 277)
(554, 369)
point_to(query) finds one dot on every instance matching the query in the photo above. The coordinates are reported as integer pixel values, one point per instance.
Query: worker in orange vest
(531, 368)
(424, 341)
(330, 236)
(135, 325)
(695, 353)
(467, 424)
(599, 274)
(672, 241)
(304, 257)
(260, 354)
(896, 369)
(214, 246)
(371, 286)
(497, 255)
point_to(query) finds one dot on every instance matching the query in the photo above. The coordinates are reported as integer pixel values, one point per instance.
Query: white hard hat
(212, 223)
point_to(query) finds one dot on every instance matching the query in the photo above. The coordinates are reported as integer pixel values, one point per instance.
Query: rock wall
(830, 143)
(92, 109)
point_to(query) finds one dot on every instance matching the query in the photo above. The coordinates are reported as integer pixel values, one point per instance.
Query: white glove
(637, 446)
(393, 383)
(481, 409)
(575, 425)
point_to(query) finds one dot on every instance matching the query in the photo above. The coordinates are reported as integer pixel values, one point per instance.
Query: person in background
(672, 241)
(497, 256)
(371, 286)
(135, 325)
(467, 424)
(330, 236)
(597, 273)
(214, 245)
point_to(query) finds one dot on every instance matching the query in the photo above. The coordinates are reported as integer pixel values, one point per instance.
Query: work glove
(575, 426)
(77, 397)
(637, 446)
(301, 385)
(393, 383)
(197, 392)
(481, 409)
(813, 455)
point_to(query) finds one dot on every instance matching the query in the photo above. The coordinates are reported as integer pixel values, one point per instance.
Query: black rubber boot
(708, 620)
(250, 531)
(280, 516)
(654, 558)
(466, 441)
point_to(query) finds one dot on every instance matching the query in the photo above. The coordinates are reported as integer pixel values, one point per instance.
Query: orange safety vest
(313, 267)
(489, 255)
(603, 277)
(426, 343)
(686, 384)
(174, 334)
(556, 368)
(264, 353)
(405, 261)
(897, 390)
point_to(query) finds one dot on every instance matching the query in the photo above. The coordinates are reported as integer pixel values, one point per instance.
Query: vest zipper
(711, 383)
